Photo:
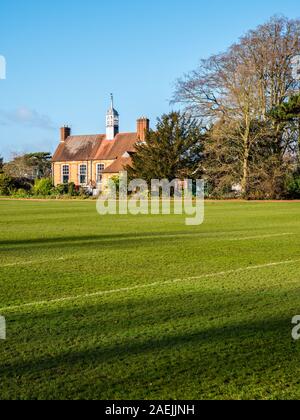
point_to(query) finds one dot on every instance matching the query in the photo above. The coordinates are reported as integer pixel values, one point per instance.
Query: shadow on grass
(186, 341)
(250, 344)
(108, 240)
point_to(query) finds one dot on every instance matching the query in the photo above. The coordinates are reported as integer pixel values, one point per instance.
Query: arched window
(65, 174)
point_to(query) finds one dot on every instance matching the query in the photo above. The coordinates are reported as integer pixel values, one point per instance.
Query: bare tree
(237, 90)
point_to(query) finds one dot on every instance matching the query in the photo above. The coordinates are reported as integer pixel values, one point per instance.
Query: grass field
(124, 307)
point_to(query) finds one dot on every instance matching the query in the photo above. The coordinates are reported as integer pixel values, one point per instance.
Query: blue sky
(64, 57)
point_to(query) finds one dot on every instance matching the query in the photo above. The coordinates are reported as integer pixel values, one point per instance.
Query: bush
(83, 193)
(6, 184)
(293, 187)
(23, 183)
(72, 191)
(60, 189)
(21, 193)
(65, 189)
(43, 187)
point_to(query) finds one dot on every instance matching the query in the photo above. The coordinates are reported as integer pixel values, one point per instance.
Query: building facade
(91, 160)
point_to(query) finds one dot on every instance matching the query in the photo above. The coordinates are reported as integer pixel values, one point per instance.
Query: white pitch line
(143, 286)
(34, 262)
(275, 235)
(247, 238)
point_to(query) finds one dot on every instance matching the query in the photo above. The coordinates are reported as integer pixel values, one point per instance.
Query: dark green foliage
(31, 166)
(72, 191)
(293, 187)
(41, 162)
(287, 111)
(6, 184)
(173, 150)
(23, 183)
(9, 185)
(66, 189)
(61, 189)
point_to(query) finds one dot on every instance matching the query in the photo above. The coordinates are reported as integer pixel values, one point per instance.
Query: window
(65, 174)
(82, 174)
(100, 169)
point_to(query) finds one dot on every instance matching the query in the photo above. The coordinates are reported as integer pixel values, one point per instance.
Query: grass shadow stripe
(144, 286)
(84, 255)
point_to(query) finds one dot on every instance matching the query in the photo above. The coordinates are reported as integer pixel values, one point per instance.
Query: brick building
(90, 160)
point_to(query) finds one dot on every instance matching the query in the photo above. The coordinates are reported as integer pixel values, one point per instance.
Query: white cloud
(26, 117)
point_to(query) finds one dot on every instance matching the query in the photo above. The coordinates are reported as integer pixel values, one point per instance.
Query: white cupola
(112, 121)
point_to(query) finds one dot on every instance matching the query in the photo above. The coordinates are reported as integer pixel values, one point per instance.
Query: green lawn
(222, 329)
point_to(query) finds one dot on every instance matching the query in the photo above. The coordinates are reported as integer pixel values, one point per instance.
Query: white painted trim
(62, 172)
(86, 174)
(97, 165)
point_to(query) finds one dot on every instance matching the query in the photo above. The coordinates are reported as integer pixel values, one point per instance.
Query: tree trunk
(246, 154)
(245, 179)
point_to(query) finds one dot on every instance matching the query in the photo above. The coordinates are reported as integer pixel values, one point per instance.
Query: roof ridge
(95, 146)
(127, 132)
(87, 135)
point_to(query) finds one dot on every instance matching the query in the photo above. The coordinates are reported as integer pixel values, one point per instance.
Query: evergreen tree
(287, 111)
(31, 166)
(287, 115)
(173, 150)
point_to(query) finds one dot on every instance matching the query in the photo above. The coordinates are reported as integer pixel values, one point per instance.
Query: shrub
(6, 184)
(60, 189)
(72, 191)
(21, 193)
(43, 186)
(293, 187)
(65, 189)
(22, 183)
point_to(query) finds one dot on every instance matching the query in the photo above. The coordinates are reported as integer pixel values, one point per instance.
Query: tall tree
(287, 116)
(173, 150)
(31, 166)
(237, 89)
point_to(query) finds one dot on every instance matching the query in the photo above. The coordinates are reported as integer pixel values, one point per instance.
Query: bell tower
(112, 121)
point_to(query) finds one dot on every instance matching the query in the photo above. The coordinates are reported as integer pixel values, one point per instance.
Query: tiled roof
(123, 142)
(77, 148)
(81, 148)
(118, 165)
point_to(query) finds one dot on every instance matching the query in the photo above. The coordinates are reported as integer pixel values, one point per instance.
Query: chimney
(143, 126)
(65, 132)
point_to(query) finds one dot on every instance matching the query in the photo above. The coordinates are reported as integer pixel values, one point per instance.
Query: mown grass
(227, 336)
